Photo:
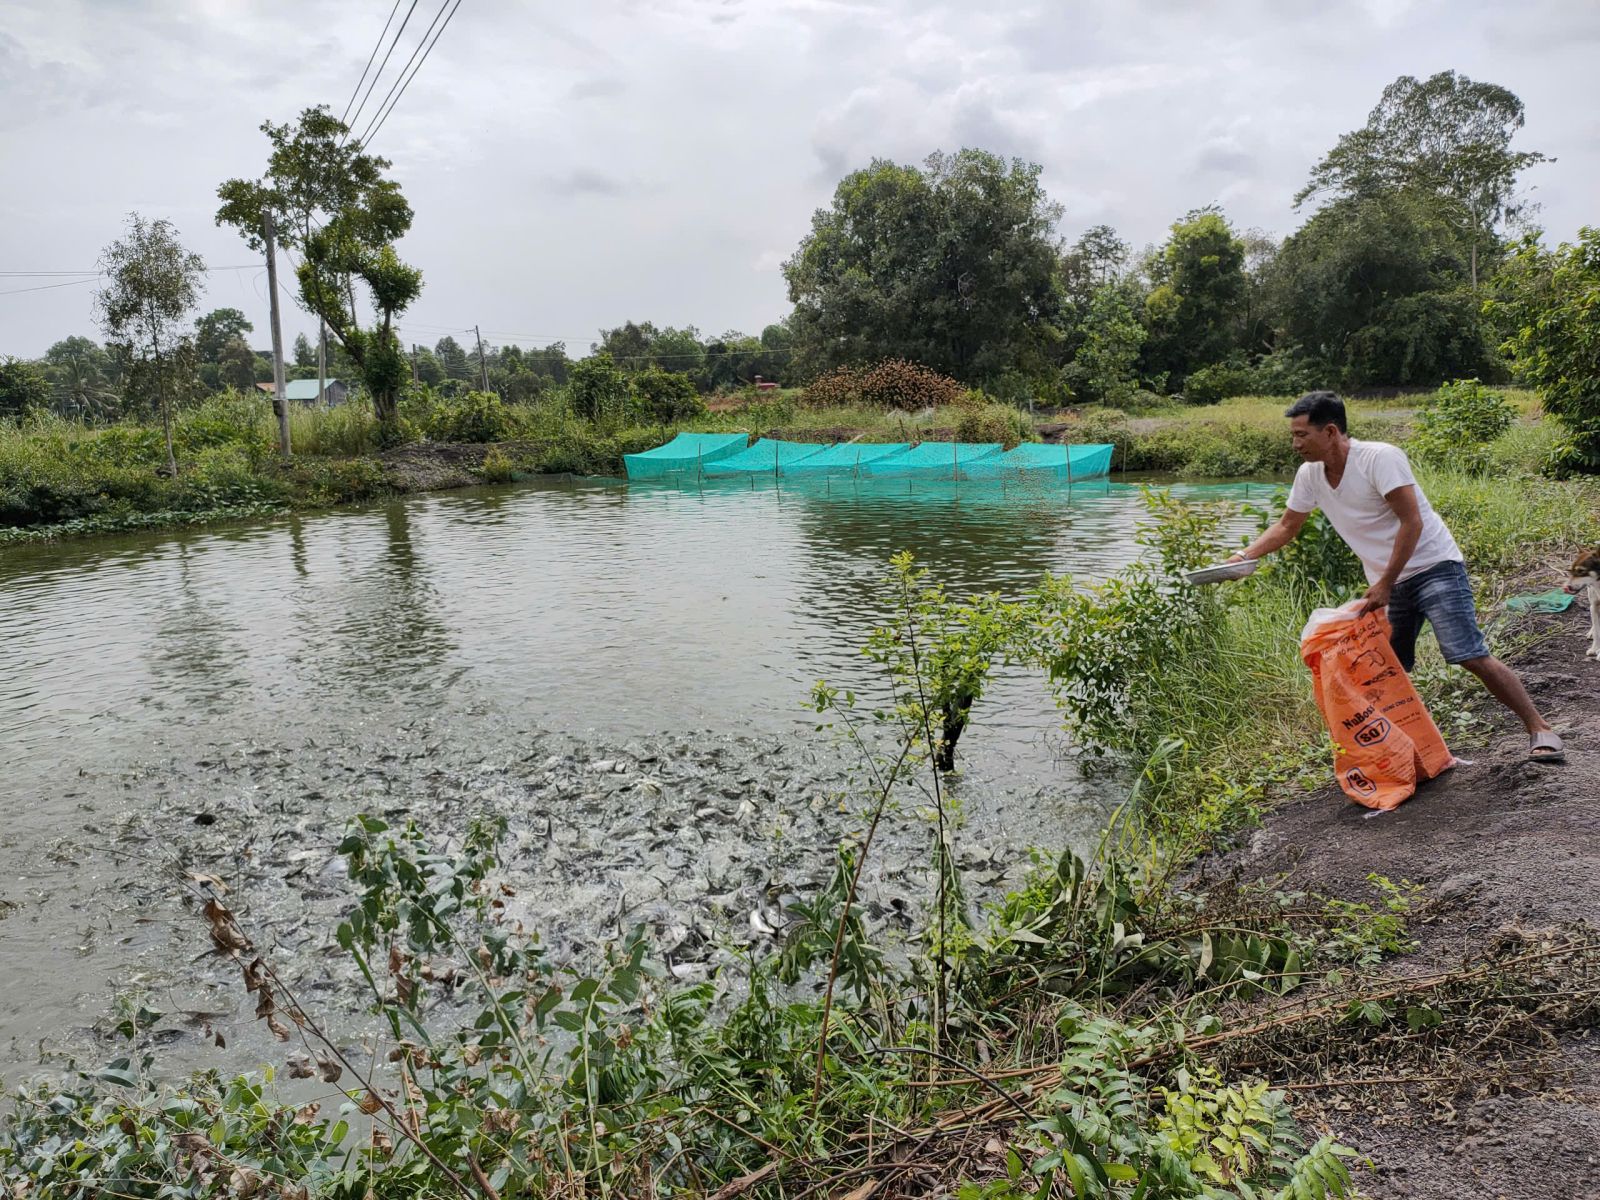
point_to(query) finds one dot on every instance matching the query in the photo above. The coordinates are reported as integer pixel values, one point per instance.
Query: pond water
(248, 685)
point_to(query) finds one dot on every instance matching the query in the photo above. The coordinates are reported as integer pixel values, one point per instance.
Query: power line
(405, 82)
(370, 57)
(96, 272)
(356, 116)
(47, 287)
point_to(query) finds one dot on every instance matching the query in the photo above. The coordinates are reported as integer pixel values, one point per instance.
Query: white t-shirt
(1361, 516)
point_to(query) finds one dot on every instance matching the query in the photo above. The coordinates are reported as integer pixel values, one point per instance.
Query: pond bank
(1506, 850)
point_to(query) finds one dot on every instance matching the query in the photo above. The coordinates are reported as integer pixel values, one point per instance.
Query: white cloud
(658, 159)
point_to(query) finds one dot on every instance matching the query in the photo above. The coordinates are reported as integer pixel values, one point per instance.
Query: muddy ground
(1498, 844)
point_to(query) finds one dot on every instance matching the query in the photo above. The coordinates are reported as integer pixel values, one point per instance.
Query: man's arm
(1403, 501)
(1282, 531)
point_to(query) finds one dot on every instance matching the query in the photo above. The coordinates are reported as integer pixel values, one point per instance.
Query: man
(1413, 565)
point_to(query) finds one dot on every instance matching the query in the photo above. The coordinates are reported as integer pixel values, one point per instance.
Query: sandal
(1546, 747)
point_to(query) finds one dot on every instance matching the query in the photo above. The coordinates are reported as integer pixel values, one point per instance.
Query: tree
(305, 354)
(216, 329)
(237, 365)
(81, 377)
(1193, 310)
(1448, 135)
(1550, 303)
(428, 368)
(24, 387)
(1110, 336)
(152, 284)
(1375, 287)
(628, 344)
(331, 200)
(953, 265)
(452, 358)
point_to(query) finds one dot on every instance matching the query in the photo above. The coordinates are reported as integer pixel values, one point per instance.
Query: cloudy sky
(573, 166)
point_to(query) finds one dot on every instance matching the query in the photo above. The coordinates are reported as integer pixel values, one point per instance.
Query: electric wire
(405, 80)
(356, 116)
(375, 47)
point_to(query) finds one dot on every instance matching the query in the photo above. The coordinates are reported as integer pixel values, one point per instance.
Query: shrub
(471, 417)
(893, 383)
(597, 388)
(338, 481)
(667, 396)
(978, 419)
(24, 388)
(1457, 424)
(1219, 382)
(496, 467)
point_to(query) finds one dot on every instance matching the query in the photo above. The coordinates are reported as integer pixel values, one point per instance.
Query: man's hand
(1240, 557)
(1377, 597)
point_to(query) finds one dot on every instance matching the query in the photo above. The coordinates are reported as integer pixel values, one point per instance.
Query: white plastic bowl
(1223, 571)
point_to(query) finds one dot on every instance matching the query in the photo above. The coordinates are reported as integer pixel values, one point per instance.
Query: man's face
(1310, 442)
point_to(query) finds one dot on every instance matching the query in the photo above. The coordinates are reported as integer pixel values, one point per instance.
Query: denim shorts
(1441, 596)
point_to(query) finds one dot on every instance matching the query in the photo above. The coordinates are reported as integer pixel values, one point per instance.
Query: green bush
(474, 417)
(337, 480)
(1219, 382)
(1457, 425)
(666, 396)
(496, 467)
(978, 419)
(597, 389)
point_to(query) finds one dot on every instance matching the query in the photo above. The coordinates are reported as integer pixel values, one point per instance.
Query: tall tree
(237, 363)
(1448, 135)
(1375, 288)
(333, 203)
(452, 358)
(152, 284)
(305, 354)
(1193, 310)
(216, 329)
(953, 265)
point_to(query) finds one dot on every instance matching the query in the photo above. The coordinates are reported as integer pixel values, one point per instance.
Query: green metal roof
(304, 389)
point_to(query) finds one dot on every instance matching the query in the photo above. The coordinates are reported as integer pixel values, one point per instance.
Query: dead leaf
(299, 1066)
(328, 1068)
(226, 935)
(382, 1143)
(369, 1103)
(308, 1114)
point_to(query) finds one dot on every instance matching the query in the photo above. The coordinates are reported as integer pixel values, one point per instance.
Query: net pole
(1067, 449)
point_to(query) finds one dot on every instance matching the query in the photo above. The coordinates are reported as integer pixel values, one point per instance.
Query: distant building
(304, 391)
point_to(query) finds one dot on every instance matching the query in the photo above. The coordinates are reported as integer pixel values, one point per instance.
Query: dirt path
(1498, 844)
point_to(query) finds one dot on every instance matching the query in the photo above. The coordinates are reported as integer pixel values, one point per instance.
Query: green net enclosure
(848, 458)
(766, 456)
(932, 460)
(686, 454)
(1038, 462)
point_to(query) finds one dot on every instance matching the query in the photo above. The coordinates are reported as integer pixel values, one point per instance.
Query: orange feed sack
(1385, 739)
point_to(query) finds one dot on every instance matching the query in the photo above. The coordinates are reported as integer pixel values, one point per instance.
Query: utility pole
(280, 400)
(483, 363)
(413, 362)
(322, 361)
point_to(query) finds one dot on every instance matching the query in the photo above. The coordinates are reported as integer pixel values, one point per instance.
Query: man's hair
(1320, 409)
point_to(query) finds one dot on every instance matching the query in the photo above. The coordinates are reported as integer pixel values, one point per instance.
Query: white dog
(1586, 578)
